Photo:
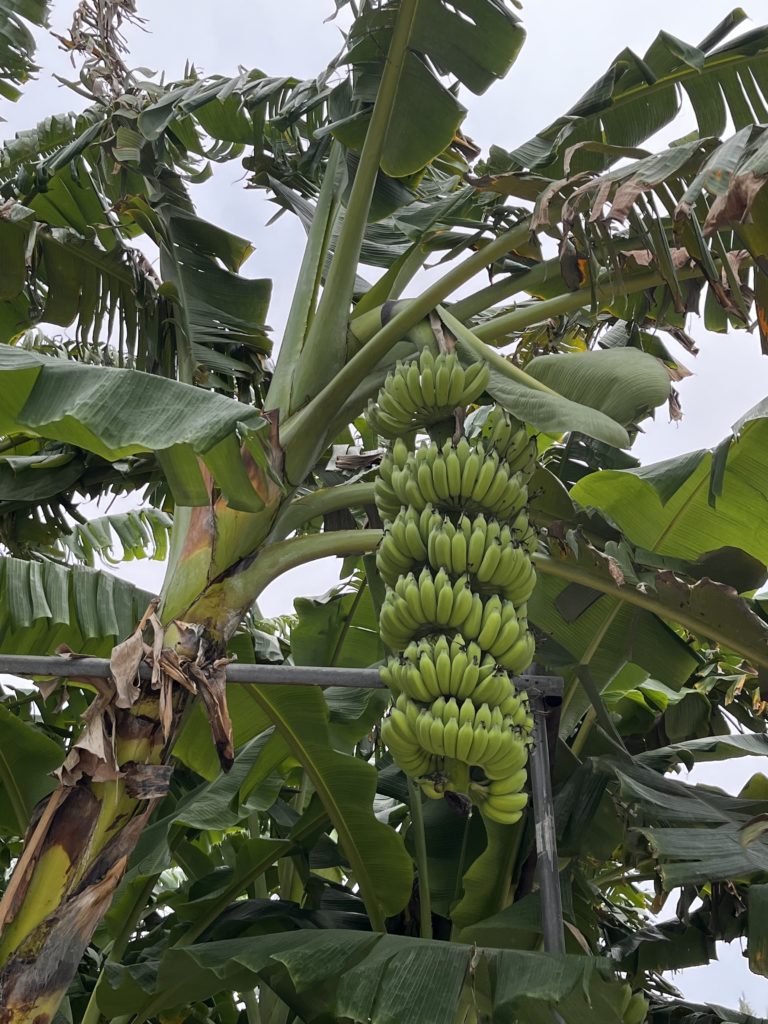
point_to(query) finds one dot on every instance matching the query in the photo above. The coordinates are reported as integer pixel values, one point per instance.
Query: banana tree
(285, 870)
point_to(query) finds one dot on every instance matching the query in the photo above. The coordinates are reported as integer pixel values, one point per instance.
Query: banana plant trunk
(80, 838)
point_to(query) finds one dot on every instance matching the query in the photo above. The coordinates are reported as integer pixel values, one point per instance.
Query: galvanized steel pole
(264, 675)
(546, 840)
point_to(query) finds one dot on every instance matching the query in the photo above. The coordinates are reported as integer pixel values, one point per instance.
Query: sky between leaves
(568, 47)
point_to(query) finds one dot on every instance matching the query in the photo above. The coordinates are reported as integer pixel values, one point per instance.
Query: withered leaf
(212, 685)
(124, 665)
(148, 781)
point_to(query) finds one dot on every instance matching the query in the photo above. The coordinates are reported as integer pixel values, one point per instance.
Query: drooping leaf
(474, 40)
(757, 947)
(360, 976)
(708, 748)
(340, 628)
(639, 95)
(628, 635)
(97, 283)
(218, 804)
(120, 537)
(544, 409)
(214, 304)
(625, 384)
(46, 604)
(117, 413)
(666, 507)
(673, 818)
(486, 883)
(17, 43)
(706, 608)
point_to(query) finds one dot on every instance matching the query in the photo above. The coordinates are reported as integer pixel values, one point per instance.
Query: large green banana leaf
(24, 745)
(44, 604)
(116, 413)
(758, 934)
(622, 383)
(343, 975)
(475, 41)
(76, 276)
(694, 503)
(705, 608)
(673, 817)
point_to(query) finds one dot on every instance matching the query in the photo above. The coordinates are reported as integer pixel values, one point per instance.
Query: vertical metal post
(546, 842)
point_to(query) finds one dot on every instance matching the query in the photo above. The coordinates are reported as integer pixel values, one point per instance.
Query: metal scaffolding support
(545, 693)
(544, 817)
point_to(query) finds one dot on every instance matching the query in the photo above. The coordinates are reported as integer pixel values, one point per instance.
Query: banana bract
(456, 561)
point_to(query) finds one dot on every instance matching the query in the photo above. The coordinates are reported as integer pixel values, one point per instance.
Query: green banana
(464, 739)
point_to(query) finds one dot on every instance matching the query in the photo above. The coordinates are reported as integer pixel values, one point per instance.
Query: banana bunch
(456, 558)
(427, 604)
(420, 393)
(447, 737)
(462, 478)
(502, 433)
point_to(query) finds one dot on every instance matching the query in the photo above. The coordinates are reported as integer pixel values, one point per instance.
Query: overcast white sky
(569, 45)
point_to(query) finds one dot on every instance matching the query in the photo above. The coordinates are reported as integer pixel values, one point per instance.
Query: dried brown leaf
(169, 662)
(158, 636)
(124, 665)
(212, 685)
(148, 781)
(675, 408)
(601, 198)
(735, 204)
(93, 755)
(165, 702)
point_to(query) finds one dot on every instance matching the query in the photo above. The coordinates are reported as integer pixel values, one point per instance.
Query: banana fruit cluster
(456, 559)
(424, 392)
(634, 1008)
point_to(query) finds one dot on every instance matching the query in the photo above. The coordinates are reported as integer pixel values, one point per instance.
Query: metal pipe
(264, 675)
(546, 841)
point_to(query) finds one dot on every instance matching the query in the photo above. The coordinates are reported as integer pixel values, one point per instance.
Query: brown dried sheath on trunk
(39, 973)
(75, 854)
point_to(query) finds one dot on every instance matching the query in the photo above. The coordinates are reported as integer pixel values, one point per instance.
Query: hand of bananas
(424, 392)
(456, 558)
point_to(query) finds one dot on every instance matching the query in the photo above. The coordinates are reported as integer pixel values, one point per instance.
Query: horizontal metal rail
(264, 675)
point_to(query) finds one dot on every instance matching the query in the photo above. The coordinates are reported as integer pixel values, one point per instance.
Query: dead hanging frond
(96, 37)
